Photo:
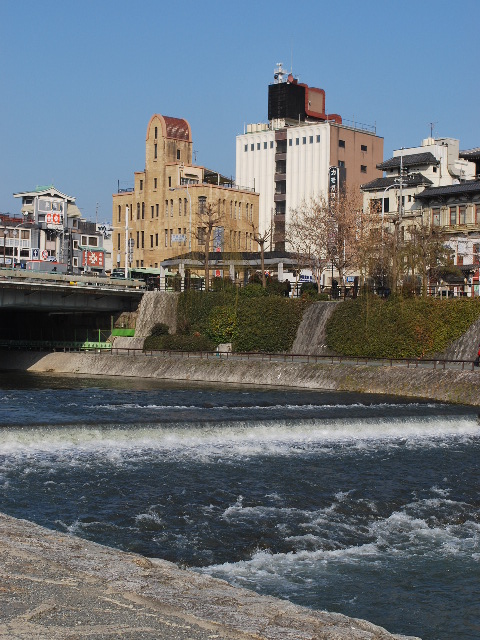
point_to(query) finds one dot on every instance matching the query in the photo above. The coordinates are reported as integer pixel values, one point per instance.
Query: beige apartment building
(166, 213)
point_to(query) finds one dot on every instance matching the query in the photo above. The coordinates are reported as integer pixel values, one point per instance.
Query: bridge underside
(34, 312)
(29, 325)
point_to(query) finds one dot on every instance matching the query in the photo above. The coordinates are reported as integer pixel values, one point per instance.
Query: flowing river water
(365, 505)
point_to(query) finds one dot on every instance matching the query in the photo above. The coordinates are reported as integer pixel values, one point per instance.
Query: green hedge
(180, 342)
(268, 324)
(247, 317)
(399, 327)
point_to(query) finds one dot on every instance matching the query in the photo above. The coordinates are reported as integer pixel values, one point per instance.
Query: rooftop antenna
(432, 127)
(96, 214)
(279, 73)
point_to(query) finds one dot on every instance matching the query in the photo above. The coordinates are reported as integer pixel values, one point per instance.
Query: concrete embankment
(57, 586)
(448, 386)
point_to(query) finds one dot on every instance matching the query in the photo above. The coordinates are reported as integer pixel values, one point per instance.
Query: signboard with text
(53, 211)
(93, 259)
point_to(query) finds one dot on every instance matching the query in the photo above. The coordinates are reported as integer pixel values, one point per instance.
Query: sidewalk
(56, 586)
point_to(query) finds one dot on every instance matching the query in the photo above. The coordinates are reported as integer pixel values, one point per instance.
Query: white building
(288, 160)
(435, 163)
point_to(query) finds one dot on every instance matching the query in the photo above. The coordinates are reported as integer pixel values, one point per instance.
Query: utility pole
(127, 211)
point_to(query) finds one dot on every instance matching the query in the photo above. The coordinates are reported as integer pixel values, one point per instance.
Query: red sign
(93, 259)
(53, 218)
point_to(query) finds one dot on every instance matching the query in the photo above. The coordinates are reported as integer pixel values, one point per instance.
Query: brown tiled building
(163, 215)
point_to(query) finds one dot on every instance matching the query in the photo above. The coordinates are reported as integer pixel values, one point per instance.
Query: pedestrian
(476, 362)
(288, 288)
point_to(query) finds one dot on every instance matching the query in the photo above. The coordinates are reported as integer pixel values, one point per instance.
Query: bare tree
(308, 238)
(208, 219)
(261, 239)
(428, 251)
(326, 231)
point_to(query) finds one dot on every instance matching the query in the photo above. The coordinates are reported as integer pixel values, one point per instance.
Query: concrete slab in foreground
(54, 586)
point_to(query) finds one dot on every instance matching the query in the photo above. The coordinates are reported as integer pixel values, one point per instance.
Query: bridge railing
(24, 276)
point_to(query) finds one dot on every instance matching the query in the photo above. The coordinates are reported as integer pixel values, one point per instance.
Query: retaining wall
(448, 386)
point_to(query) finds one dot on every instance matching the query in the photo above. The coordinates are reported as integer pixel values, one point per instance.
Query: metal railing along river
(259, 356)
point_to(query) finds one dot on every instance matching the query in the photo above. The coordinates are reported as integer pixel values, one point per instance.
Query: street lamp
(190, 217)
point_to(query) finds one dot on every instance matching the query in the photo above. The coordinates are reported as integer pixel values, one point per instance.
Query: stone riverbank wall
(56, 586)
(448, 386)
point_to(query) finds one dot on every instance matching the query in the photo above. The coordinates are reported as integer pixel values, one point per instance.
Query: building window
(178, 154)
(453, 215)
(166, 237)
(143, 211)
(141, 185)
(245, 148)
(290, 142)
(155, 183)
(138, 211)
(476, 254)
(239, 210)
(169, 181)
(202, 202)
(436, 217)
(154, 151)
(201, 235)
(462, 214)
(258, 146)
(156, 210)
(271, 144)
(341, 163)
(75, 261)
(151, 241)
(304, 140)
(363, 147)
(171, 208)
(310, 140)
(166, 208)
(119, 213)
(264, 145)
(477, 213)
(363, 168)
(156, 133)
(434, 169)
(118, 242)
(252, 147)
(156, 239)
(179, 207)
(341, 144)
(75, 245)
(318, 138)
(185, 207)
(152, 211)
(297, 141)
(138, 239)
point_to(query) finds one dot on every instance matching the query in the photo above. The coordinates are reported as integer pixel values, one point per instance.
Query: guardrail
(300, 358)
(259, 356)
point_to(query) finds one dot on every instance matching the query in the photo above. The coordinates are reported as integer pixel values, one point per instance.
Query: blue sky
(81, 79)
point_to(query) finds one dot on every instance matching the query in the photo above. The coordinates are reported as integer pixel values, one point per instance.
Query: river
(360, 504)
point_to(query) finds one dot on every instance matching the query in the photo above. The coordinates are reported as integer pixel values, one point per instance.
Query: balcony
(281, 156)
(281, 134)
(280, 177)
(280, 197)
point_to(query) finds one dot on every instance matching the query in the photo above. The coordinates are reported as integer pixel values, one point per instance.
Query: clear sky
(80, 79)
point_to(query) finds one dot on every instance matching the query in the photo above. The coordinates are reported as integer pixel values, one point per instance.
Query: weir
(311, 335)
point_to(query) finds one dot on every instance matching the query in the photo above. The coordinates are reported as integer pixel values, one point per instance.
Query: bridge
(41, 306)
(23, 290)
